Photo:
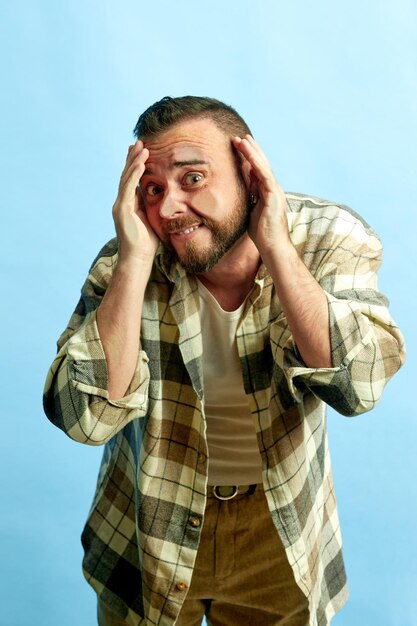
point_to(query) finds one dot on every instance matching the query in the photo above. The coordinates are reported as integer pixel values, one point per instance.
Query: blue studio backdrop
(330, 92)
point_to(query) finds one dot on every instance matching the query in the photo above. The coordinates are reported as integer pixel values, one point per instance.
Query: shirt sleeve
(367, 346)
(76, 389)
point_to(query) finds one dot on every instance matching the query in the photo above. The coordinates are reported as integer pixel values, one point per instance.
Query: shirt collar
(168, 265)
(173, 270)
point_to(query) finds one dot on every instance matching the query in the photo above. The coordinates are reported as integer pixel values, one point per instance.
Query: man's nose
(172, 204)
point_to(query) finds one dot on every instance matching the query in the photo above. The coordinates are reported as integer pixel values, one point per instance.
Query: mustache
(180, 223)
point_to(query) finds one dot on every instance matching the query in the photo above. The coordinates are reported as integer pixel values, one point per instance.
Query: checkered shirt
(141, 536)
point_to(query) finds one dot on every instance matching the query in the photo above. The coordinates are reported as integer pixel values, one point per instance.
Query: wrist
(132, 262)
(282, 254)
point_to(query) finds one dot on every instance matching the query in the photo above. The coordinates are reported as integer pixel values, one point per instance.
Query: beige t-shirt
(234, 457)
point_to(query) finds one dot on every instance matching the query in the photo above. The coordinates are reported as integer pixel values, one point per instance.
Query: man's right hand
(135, 235)
(120, 311)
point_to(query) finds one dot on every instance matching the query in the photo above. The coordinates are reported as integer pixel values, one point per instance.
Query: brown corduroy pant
(242, 575)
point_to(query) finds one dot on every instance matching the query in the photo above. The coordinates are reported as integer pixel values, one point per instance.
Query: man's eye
(193, 178)
(153, 190)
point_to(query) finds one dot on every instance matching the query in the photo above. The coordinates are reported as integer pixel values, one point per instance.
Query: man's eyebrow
(178, 164)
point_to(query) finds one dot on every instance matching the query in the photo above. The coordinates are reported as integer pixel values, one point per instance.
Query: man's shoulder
(109, 250)
(305, 206)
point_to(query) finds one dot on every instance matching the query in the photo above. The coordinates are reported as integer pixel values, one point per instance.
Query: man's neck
(232, 279)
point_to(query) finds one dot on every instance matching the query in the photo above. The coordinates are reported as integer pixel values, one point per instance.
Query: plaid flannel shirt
(140, 538)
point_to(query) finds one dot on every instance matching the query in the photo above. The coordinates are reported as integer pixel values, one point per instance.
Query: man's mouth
(188, 230)
(182, 231)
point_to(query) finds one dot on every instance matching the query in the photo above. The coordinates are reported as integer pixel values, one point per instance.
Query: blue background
(330, 91)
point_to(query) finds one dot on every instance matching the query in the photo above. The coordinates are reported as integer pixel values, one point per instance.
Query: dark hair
(170, 111)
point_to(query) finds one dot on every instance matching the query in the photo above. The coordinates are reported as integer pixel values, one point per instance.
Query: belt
(227, 492)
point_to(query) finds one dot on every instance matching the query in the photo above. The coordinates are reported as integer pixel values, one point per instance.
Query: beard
(198, 259)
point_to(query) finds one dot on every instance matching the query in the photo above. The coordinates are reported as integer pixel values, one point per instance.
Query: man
(208, 338)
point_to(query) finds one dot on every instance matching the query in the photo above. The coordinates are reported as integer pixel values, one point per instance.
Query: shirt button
(194, 521)
(201, 458)
(181, 586)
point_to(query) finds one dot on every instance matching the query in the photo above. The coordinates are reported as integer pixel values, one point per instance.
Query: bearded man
(209, 337)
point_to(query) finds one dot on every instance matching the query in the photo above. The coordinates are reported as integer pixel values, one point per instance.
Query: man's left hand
(268, 226)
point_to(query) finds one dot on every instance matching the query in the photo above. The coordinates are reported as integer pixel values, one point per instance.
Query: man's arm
(119, 314)
(99, 379)
(340, 324)
(301, 297)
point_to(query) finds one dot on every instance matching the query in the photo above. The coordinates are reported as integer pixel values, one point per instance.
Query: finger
(134, 149)
(141, 199)
(257, 159)
(137, 163)
(252, 151)
(256, 147)
(132, 153)
(132, 175)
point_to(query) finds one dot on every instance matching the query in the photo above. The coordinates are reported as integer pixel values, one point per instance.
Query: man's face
(196, 200)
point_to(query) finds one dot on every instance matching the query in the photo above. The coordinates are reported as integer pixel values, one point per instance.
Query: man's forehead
(177, 156)
(195, 139)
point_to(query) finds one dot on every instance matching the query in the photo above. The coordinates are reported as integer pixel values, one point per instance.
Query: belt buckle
(216, 493)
